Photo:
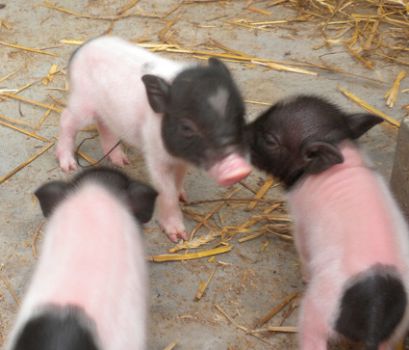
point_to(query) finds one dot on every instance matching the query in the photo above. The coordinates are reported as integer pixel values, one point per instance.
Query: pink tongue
(230, 170)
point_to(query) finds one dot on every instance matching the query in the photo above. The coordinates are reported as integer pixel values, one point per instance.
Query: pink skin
(93, 257)
(230, 170)
(102, 92)
(345, 222)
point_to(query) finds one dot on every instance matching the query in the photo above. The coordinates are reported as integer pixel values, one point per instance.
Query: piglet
(176, 113)
(351, 237)
(89, 289)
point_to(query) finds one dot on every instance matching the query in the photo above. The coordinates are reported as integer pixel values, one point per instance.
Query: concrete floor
(257, 274)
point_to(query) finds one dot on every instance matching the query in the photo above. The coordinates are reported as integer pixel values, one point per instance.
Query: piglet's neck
(353, 158)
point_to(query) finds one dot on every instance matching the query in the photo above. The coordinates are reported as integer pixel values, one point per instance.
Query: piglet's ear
(216, 63)
(319, 156)
(141, 200)
(158, 91)
(360, 123)
(50, 195)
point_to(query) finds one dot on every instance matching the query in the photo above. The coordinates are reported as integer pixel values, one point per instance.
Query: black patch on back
(57, 329)
(372, 307)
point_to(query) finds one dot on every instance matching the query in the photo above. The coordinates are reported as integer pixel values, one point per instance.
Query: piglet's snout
(230, 170)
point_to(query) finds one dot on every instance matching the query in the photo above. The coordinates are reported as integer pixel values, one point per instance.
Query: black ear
(319, 156)
(158, 91)
(360, 123)
(216, 63)
(50, 194)
(141, 200)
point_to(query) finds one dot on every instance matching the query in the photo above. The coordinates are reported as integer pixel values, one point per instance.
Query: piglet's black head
(300, 136)
(139, 197)
(203, 113)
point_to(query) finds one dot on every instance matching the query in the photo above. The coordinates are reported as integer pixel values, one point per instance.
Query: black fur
(58, 328)
(300, 136)
(191, 128)
(138, 196)
(372, 306)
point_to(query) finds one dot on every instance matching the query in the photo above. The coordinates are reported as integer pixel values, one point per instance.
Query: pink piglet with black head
(351, 237)
(177, 114)
(89, 288)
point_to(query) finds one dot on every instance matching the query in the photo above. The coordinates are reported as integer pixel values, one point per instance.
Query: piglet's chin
(230, 170)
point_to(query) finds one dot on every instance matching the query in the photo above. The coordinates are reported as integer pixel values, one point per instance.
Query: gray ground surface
(257, 274)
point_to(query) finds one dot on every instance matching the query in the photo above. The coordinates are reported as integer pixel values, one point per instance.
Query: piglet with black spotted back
(89, 289)
(176, 113)
(351, 237)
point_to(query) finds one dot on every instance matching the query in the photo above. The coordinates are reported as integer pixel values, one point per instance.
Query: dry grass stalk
(10, 74)
(190, 256)
(32, 102)
(51, 73)
(276, 329)
(242, 328)
(43, 119)
(268, 183)
(285, 68)
(368, 107)
(15, 121)
(275, 310)
(195, 242)
(211, 213)
(29, 49)
(27, 162)
(87, 157)
(203, 286)
(259, 11)
(127, 7)
(392, 95)
(250, 237)
(52, 6)
(23, 131)
(367, 28)
(9, 288)
(171, 346)
(36, 235)
(257, 102)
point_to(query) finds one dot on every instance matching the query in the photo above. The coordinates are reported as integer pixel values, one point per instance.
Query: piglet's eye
(271, 141)
(187, 128)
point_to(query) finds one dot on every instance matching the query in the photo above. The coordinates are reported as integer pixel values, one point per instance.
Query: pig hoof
(67, 164)
(183, 196)
(119, 159)
(176, 236)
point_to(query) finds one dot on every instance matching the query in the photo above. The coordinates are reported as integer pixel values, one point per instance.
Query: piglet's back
(91, 243)
(351, 213)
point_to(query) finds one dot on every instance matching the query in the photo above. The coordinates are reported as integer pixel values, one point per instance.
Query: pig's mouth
(230, 169)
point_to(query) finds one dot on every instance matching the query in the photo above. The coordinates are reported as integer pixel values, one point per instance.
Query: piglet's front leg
(168, 182)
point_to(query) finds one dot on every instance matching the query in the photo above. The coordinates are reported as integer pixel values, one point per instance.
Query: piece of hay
(189, 256)
(23, 131)
(29, 49)
(368, 107)
(171, 346)
(276, 329)
(268, 183)
(27, 162)
(275, 310)
(203, 285)
(392, 94)
(30, 101)
(50, 75)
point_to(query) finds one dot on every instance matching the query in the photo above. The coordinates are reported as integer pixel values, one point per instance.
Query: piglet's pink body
(346, 221)
(93, 258)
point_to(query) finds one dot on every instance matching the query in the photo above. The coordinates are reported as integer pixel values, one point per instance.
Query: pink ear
(319, 156)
